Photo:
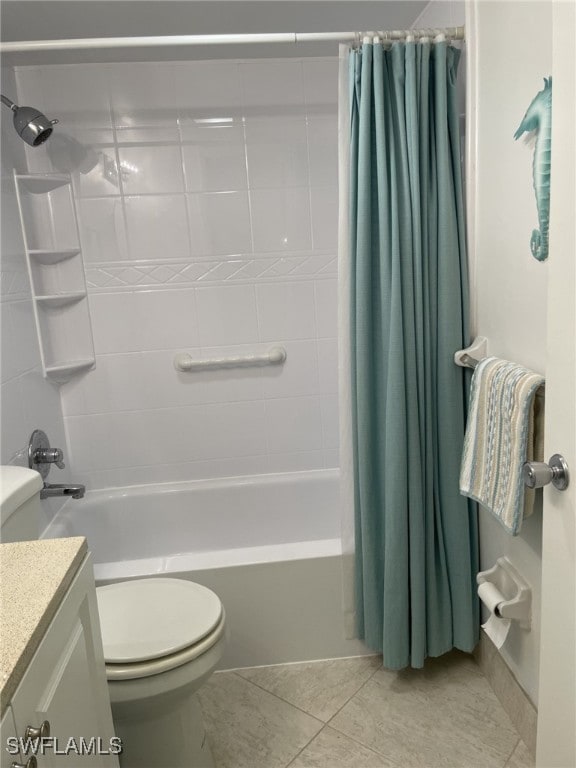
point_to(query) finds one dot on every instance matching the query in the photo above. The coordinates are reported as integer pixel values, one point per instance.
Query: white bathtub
(268, 545)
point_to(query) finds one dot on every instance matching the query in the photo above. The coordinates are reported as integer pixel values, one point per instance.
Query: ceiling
(62, 19)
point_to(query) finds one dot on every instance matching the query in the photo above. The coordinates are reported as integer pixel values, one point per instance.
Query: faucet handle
(50, 456)
(41, 456)
(58, 457)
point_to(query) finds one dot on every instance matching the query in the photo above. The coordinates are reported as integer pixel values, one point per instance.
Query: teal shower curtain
(415, 535)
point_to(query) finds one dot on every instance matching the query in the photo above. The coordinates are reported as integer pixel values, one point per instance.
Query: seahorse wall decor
(538, 118)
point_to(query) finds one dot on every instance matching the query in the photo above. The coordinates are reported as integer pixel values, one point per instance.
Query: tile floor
(352, 713)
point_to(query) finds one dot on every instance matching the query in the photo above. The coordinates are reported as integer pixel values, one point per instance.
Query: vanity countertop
(34, 576)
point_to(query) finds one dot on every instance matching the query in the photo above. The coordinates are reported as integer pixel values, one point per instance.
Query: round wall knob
(42, 732)
(537, 474)
(30, 763)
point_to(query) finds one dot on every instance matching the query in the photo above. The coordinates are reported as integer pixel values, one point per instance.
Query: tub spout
(56, 489)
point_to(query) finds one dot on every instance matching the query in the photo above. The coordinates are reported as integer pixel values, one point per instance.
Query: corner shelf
(49, 258)
(40, 183)
(56, 269)
(59, 300)
(63, 371)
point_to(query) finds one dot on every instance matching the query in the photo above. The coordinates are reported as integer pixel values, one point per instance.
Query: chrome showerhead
(30, 124)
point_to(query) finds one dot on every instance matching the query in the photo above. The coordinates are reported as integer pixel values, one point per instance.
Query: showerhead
(30, 124)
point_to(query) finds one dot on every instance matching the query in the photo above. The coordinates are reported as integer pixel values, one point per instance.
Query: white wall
(509, 49)
(509, 52)
(214, 238)
(99, 18)
(27, 401)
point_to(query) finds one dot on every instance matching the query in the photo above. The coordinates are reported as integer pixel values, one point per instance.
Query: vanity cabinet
(65, 686)
(7, 736)
(56, 270)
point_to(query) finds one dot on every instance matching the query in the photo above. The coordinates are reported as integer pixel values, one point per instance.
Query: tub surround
(26, 398)
(251, 143)
(34, 576)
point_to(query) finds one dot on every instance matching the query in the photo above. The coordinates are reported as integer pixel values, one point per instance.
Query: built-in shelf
(60, 299)
(56, 269)
(48, 258)
(40, 183)
(64, 370)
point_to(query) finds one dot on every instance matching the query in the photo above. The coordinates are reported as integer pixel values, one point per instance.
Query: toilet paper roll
(490, 595)
(496, 628)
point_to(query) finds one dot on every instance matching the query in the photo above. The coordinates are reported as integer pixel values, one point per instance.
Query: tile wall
(207, 198)
(27, 401)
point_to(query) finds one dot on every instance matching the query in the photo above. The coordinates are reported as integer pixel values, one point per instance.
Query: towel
(504, 430)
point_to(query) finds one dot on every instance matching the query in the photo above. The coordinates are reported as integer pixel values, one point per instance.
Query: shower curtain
(409, 536)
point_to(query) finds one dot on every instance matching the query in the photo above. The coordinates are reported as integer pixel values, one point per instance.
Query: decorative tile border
(164, 274)
(516, 703)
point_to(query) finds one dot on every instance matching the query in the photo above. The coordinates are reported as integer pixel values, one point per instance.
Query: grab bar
(184, 362)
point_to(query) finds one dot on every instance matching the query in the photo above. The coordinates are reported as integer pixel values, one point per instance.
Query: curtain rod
(453, 33)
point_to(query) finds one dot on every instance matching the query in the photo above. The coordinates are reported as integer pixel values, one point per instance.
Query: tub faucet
(57, 489)
(41, 457)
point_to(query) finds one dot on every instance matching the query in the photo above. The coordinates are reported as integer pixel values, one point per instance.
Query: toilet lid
(150, 618)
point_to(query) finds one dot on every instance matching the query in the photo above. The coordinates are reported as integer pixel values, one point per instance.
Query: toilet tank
(19, 503)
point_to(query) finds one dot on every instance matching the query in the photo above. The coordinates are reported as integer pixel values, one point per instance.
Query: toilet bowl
(162, 638)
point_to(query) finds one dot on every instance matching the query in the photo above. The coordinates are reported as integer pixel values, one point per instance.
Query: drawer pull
(38, 733)
(30, 763)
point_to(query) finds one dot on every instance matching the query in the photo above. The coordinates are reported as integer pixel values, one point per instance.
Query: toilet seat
(155, 667)
(153, 625)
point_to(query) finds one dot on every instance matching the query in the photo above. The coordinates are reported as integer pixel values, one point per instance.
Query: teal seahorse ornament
(538, 118)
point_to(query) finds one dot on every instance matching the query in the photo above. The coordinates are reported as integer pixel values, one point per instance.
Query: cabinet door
(65, 684)
(9, 740)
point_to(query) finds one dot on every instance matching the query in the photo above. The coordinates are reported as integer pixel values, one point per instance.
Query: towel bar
(465, 360)
(469, 362)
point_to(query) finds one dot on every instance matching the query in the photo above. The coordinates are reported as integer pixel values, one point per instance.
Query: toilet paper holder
(516, 593)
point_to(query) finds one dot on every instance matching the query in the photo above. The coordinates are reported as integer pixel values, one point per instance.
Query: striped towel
(503, 431)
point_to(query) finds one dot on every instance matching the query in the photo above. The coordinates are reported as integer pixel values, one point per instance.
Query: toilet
(162, 638)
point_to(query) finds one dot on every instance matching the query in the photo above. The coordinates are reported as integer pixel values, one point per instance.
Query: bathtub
(268, 545)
